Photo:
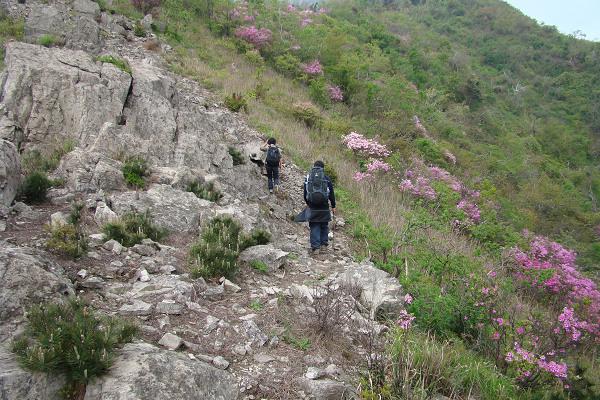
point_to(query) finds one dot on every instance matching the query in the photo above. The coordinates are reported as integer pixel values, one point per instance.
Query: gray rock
(28, 277)
(86, 7)
(239, 350)
(144, 250)
(170, 341)
(172, 209)
(18, 384)
(82, 273)
(46, 78)
(93, 282)
(325, 389)
(169, 307)
(263, 358)
(143, 371)
(142, 276)
(58, 219)
(167, 269)
(220, 362)
(214, 292)
(274, 258)
(96, 239)
(230, 286)
(254, 333)
(380, 293)
(146, 22)
(137, 308)
(211, 324)
(10, 172)
(104, 214)
(314, 373)
(113, 246)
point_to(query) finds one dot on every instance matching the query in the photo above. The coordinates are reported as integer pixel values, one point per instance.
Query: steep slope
(262, 335)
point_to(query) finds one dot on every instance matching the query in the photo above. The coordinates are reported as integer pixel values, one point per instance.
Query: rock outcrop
(143, 371)
(10, 172)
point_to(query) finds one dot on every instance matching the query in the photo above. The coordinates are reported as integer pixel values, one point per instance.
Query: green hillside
(474, 124)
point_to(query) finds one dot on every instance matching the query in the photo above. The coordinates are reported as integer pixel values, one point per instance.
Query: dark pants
(319, 234)
(273, 176)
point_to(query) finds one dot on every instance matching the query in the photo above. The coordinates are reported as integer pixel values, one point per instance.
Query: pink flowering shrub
(550, 268)
(361, 176)
(421, 187)
(405, 320)
(305, 22)
(359, 144)
(257, 37)
(313, 68)
(420, 127)
(335, 93)
(378, 165)
(291, 8)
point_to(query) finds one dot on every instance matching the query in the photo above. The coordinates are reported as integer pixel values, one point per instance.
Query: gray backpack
(317, 190)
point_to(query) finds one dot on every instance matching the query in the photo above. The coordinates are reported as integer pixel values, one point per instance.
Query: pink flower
(291, 8)
(509, 356)
(305, 22)
(248, 18)
(405, 319)
(520, 330)
(499, 321)
(378, 165)
(357, 142)
(313, 68)
(496, 336)
(257, 37)
(556, 369)
(408, 299)
(361, 176)
(492, 274)
(335, 93)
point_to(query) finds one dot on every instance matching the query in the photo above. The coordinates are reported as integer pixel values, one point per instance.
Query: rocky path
(302, 329)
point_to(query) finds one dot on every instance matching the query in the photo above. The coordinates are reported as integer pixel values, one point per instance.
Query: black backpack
(273, 156)
(317, 190)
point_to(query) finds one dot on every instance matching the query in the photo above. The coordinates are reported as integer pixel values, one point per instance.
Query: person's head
(271, 141)
(319, 164)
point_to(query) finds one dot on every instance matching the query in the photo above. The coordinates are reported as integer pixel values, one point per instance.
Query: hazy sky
(567, 15)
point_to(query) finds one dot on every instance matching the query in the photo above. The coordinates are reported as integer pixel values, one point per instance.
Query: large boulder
(17, 384)
(380, 292)
(87, 171)
(172, 209)
(273, 257)
(56, 93)
(10, 172)
(143, 371)
(28, 277)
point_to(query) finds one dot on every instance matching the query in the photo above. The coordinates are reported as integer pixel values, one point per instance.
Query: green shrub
(254, 57)
(10, 28)
(47, 40)
(423, 367)
(317, 90)
(307, 113)
(260, 266)
(138, 29)
(135, 170)
(132, 228)
(331, 173)
(256, 237)
(237, 156)
(34, 187)
(205, 191)
(68, 240)
(120, 63)
(71, 340)
(215, 253)
(75, 215)
(236, 102)
(287, 64)
(430, 151)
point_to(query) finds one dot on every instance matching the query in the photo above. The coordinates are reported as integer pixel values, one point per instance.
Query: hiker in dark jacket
(318, 194)
(273, 162)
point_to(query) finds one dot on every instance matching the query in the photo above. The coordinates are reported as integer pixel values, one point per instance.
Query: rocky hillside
(259, 335)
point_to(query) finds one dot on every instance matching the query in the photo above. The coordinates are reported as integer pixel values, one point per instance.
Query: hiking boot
(314, 252)
(271, 191)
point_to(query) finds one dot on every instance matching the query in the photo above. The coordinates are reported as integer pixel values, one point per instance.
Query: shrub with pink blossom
(361, 176)
(405, 320)
(335, 93)
(305, 22)
(313, 68)
(257, 37)
(378, 165)
(421, 187)
(360, 144)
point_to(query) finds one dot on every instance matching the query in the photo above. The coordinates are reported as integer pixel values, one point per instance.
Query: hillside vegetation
(471, 173)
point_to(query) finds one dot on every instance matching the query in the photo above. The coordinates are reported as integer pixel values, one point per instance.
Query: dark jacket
(320, 213)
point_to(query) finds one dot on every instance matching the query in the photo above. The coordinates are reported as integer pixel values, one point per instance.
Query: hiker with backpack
(318, 194)
(273, 162)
